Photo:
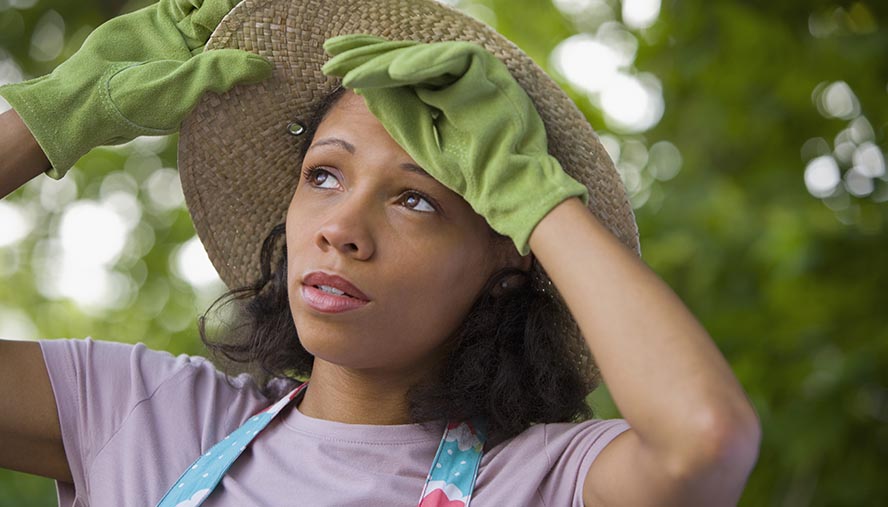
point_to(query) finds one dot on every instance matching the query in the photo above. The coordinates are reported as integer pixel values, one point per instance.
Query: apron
(450, 481)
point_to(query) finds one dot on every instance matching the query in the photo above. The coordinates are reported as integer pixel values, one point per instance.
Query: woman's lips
(318, 278)
(329, 303)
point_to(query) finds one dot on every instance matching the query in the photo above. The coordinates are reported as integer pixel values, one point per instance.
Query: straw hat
(238, 162)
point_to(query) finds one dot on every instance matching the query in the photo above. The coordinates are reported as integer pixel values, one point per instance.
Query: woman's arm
(695, 435)
(20, 156)
(30, 433)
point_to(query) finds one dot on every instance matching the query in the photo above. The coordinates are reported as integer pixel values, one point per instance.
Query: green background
(791, 286)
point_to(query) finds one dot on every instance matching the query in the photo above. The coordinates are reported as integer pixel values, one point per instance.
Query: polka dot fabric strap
(199, 480)
(449, 484)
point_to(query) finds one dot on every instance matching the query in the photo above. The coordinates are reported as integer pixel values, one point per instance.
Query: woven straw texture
(239, 165)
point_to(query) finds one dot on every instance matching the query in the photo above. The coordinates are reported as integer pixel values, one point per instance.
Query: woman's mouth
(326, 299)
(333, 284)
(331, 290)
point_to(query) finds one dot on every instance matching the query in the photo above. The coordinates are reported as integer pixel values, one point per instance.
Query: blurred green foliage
(788, 281)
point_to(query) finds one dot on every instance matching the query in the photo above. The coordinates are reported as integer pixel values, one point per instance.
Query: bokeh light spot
(164, 190)
(10, 261)
(836, 100)
(586, 13)
(22, 4)
(14, 224)
(665, 160)
(815, 147)
(822, 176)
(587, 63)
(55, 195)
(861, 130)
(48, 38)
(633, 104)
(91, 234)
(482, 13)
(857, 183)
(16, 325)
(575, 6)
(634, 152)
(192, 264)
(640, 14)
(10, 72)
(869, 160)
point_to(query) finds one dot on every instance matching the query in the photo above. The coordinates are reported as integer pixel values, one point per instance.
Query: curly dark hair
(510, 360)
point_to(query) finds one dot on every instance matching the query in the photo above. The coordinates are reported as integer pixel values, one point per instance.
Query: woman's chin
(337, 349)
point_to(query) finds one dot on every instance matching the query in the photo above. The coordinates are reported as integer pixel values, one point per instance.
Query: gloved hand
(137, 74)
(457, 110)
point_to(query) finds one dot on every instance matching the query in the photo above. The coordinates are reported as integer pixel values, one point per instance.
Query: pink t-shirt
(133, 419)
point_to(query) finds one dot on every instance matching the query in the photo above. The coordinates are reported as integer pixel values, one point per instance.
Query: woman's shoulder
(555, 440)
(118, 365)
(545, 461)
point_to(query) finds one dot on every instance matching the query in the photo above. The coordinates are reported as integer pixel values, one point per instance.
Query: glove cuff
(519, 207)
(40, 118)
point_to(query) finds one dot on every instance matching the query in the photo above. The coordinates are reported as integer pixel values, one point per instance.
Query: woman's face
(416, 249)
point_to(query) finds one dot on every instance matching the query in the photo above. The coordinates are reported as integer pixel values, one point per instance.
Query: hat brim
(239, 164)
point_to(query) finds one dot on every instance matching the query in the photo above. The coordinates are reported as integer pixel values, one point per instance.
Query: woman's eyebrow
(407, 166)
(342, 143)
(349, 147)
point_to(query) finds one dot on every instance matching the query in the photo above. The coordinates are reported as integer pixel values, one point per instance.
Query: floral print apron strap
(451, 480)
(201, 478)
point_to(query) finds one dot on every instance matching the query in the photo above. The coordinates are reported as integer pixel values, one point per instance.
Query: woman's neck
(345, 395)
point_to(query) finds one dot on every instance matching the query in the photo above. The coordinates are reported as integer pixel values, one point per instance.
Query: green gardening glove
(457, 110)
(136, 74)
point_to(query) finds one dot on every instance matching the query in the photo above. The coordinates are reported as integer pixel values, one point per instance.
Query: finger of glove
(438, 63)
(196, 19)
(375, 71)
(342, 43)
(138, 36)
(157, 95)
(372, 56)
(412, 124)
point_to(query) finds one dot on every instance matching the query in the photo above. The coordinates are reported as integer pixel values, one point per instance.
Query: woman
(431, 252)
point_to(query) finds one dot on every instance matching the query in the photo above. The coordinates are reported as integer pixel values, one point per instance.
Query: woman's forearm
(665, 374)
(21, 158)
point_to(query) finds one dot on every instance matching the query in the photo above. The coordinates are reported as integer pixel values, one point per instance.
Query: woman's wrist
(21, 158)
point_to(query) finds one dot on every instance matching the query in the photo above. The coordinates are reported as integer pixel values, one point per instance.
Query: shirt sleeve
(571, 450)
(546, 464)
(98, 385)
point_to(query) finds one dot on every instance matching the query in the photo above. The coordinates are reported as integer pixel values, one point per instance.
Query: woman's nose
(347, 228)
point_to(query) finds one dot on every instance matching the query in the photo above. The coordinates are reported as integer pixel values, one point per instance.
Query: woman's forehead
(350, 120)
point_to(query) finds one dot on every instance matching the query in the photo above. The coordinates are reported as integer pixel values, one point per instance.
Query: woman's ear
(514, 260)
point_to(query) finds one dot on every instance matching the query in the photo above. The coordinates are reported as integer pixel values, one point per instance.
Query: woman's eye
(322, 178)
(412, 200)
(318, 177)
